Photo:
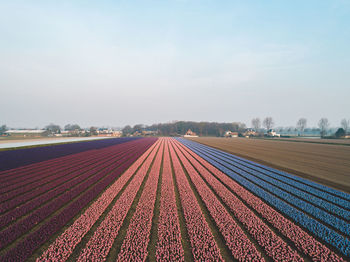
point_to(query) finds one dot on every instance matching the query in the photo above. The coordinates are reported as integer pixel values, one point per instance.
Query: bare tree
(256, 123)
(268, 123)
(301, 124)
(323, 124)
(345, 124)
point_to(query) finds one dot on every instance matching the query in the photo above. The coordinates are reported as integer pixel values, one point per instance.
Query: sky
(113, 63)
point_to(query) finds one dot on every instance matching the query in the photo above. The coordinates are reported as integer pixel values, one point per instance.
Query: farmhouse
(231, 134)
(190, 133)
(109, 132)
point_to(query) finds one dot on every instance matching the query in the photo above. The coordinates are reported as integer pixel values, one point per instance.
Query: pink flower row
(302, 240)
(169, 246)
(64, 245)
(236, 240)
(101, 242)
(134, 247)
(204, 247)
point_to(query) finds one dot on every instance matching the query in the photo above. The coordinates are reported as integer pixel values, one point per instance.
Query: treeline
(181, 127)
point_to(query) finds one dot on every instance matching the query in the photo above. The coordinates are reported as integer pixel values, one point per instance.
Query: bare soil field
(314, 140)
(328, 164)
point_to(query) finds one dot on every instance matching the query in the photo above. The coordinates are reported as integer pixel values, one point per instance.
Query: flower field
(163, 199)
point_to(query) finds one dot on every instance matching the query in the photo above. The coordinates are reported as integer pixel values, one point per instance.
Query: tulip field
(163, 199)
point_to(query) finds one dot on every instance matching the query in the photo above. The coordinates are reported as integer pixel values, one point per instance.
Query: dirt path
(323, 163)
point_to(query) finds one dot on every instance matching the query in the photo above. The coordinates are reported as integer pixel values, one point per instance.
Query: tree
(93, 131)
(256, 123)
(127, 130)
(301, 124)
(72, 127)
(138, 128)
(323, 124)
(345, 124)
(53, 129)
(340, 133)
(3, 129)
(268, 123)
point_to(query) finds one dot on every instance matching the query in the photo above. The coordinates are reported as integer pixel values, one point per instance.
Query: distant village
(186, 129)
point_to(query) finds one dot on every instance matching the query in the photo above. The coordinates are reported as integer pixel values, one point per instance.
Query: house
(109, 132)
(249, 132)
(149, 133)
(231, 134)
(190, 133)
(272, 133)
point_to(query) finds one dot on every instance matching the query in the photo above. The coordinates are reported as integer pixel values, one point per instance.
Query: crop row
(309, 183)
(332, 195)
(88, 178)
(328, 235)
(169, 246)
(64, 245)
(71, 162)
(318, 213)
(204, 247)
(61, 179)
(316, 197)
(273, 245)
(136, 240)
(101, 242)
(46, 167)
(236, 240)
(24, 157)
(85, 176)
(26, 245)
(302, 240)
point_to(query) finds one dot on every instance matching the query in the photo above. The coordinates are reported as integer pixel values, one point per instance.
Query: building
(27, 132)
(109, 132)
(249, 132)
(190, 133)
(231, 134)
(149, 133)
(272, 133)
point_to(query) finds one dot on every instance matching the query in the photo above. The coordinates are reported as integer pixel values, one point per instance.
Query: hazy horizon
(110, 63)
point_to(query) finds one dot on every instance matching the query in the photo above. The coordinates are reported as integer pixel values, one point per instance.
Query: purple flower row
(10, 159)
(50, 191)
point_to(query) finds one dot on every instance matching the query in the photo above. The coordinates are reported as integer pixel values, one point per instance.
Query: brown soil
(328, 164)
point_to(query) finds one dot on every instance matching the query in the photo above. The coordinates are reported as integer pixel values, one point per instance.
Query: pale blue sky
(126, 62)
